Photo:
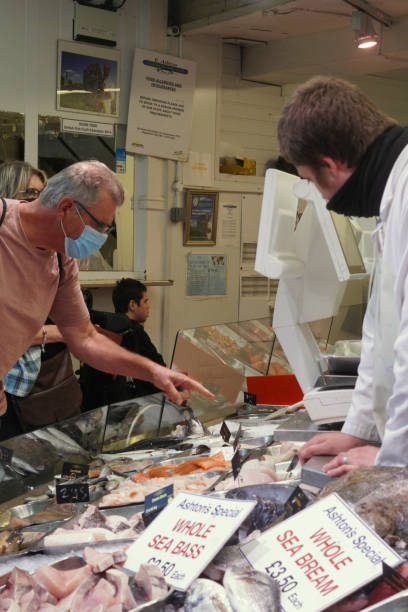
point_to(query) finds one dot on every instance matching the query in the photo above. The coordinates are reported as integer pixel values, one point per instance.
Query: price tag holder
(238, 435)
(393, 579)
(225, 432)
(187, 535)
(6, 454)
(250, 398)
(297, 501)
(74, 470)
(320, 555)
(155, 502)
(72, 493)
(236, 465)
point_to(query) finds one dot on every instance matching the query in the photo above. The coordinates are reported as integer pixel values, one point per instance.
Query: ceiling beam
(296, 58)
(368, 9)
(231, 14)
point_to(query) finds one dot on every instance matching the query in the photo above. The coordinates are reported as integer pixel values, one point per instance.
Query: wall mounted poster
(88, 78)
(161, 105)
(206, 274)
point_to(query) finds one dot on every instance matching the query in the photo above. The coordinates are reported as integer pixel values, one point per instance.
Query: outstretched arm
(101, 353)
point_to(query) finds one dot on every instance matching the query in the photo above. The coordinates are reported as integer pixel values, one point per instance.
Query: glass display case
(219, 356)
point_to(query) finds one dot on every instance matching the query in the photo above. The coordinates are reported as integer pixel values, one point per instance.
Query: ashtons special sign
(187, 535)
(320, 555)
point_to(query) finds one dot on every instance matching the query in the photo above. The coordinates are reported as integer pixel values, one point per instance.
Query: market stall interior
(86, 480)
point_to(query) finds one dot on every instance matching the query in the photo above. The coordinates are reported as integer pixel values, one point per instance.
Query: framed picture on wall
(200, 227)
(88, 79)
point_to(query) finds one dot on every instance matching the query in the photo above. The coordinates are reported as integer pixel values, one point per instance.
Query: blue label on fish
(6, 454)
(250, 398)
(72, 493)
(159, 499)
(74, 470)
(297, 501)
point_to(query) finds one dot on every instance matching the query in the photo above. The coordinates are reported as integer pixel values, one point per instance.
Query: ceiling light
(365, 34)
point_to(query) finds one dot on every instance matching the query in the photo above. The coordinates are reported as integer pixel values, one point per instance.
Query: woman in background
(21, 181)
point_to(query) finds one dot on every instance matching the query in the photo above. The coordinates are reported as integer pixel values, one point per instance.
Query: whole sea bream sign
(161, 105)
(187, 535)
(320, 555)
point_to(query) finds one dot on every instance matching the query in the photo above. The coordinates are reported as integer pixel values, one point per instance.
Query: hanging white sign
(161, 105)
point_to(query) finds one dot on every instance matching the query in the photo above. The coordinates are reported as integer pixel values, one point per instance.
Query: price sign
(72, 493)
(225, 432)
(74, 470)
(250, 398)
(155, 502)
(320, 555)
(187, 535)
(6, 454)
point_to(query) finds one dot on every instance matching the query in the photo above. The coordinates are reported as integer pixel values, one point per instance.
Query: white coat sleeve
(360, 418)
(394, 449)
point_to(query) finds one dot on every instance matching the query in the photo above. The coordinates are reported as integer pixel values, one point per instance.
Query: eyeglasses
(104, 228)
(28, 194)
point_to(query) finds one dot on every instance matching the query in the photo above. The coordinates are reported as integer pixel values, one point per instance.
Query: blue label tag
(157, 500)
(120, 161)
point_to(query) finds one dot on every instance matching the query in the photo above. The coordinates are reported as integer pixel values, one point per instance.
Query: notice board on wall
(206, 274)
(161, 105)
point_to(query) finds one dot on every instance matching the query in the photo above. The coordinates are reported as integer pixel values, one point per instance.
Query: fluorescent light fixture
(364, 31)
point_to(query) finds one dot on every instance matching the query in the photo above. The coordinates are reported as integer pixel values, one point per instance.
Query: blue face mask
(86, 244)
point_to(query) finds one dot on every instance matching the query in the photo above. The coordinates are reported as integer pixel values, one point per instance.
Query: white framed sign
(187, 535)
(161, 105)
(320, 555)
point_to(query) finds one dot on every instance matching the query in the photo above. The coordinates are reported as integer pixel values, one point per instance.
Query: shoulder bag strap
(3, 214)
(60, 266)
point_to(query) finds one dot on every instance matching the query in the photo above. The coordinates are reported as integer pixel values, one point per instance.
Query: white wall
(226, 109)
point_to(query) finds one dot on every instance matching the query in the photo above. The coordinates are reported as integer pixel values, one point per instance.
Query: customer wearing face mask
(72, 216)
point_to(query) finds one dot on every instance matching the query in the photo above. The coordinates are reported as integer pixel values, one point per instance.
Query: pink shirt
(31, 290)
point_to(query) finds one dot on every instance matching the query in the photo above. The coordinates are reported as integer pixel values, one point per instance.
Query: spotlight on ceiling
(364, 31)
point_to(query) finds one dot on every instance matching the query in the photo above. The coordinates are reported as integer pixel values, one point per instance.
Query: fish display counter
(73, 494)
(77, 549)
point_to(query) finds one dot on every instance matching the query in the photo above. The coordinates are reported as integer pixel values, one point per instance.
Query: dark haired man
(358, 159)
(130, 299)
(131, 310)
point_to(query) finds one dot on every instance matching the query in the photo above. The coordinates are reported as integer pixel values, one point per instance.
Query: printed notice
(161, 105)
(320, 555)
(92, 128)
(187, 535)
(206, 274)
(229, 222)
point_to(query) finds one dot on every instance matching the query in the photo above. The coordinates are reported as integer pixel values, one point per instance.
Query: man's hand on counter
(177, 386)
(328, 444)
(359, 457)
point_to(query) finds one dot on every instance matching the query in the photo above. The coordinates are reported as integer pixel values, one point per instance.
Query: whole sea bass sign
(320, 555)
(187, 535)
